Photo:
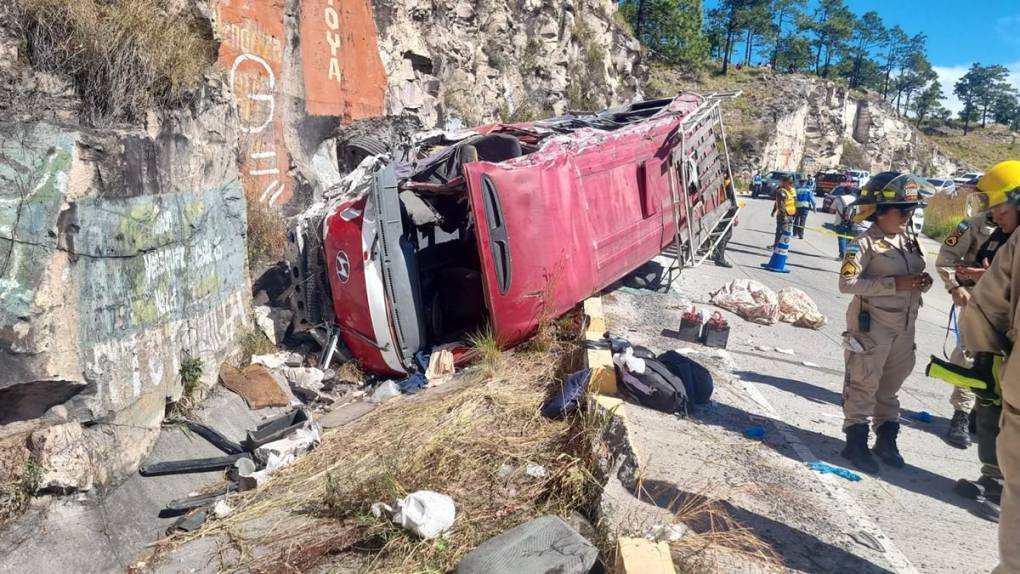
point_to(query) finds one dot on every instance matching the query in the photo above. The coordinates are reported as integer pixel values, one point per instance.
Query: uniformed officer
(960, 249)
(785, 207)
(883, 268)
(990, 326)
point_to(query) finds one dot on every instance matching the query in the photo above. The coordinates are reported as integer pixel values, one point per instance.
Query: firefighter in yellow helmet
(883, 268)
(965, 255)
(990, 329)
(959, 265)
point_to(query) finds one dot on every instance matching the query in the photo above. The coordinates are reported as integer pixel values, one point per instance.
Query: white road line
(897, 560)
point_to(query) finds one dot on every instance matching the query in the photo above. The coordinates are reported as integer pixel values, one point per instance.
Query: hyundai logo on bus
(343, 267)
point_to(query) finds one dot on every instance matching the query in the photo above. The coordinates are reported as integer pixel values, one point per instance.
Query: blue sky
(959, 33)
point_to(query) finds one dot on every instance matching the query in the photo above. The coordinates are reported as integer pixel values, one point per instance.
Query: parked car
(860, 177)
(946, 186)
(967, 182)
(968, 178)
(826, 181)
(505, 226)
(773, 180)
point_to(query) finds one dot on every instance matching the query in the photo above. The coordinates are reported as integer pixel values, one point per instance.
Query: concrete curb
(633, 555)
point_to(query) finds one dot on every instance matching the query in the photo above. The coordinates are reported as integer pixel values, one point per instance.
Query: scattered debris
(246, 479)
(425, 513)
(797, 308)
(749, 299)
(810, 364)
(276, 428)
(566, 401)
(785, 351)
(255, 384)
(384, 392)
(690, 325)
(214, 437)
(221, 509)
(190, 465)
(190, 522)
(277, 360)
(441, 367)
(641, 556)
(716, 332)
(273, 322)
(754, 432)
(826, 468)
(198, 500)
(763, 348)
(923, 417)
(545, 544)
(668, 532)
(307, 383)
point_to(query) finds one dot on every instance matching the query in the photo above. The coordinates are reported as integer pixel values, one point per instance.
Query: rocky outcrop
(460, 62)
(809, 124)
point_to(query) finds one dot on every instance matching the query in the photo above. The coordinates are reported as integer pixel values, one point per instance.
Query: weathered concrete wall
(120, 251)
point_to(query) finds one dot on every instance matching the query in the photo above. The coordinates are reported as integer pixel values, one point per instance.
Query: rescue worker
(883, 269)
(756, 184)
(961, 248)
(805, 202)
(719, 254)
(989, 329)
(784, 208)
(842, 207)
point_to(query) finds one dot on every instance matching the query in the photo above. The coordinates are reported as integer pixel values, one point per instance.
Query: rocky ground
(906, 520)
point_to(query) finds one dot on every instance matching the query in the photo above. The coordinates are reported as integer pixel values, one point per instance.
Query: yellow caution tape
(850, 237)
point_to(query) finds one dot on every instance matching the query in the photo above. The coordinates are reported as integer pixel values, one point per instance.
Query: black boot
(856, 450)
(958, 435)
(983, 488)
(972, 421)
(885, 445)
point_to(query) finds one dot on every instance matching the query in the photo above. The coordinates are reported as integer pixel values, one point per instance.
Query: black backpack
(696, 378)
(656, 388)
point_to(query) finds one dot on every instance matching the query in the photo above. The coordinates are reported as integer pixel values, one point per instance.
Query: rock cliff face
(121, 251)
(461, 62)
(810, 124)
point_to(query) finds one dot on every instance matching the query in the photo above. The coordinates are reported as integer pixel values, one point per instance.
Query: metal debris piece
(191, 465)
(214, 437)
(199, 500)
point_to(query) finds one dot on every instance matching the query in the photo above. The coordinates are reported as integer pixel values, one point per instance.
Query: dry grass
(715, 541)
(123, 57)
(254, 342)
(267, 233)
(942, 214)
(981, 148)
(471, 443)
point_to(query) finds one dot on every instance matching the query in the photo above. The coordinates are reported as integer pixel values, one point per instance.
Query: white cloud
(948, 76)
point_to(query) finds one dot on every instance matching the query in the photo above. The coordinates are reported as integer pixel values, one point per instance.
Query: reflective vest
(804, 198)
(788, 199)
